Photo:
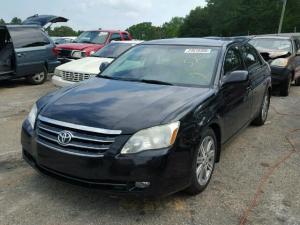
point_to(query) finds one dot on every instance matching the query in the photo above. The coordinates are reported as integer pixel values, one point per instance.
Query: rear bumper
(167, 170)
(58, 81)
(279, 75)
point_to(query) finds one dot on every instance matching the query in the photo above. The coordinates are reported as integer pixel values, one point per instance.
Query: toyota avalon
(154, 121)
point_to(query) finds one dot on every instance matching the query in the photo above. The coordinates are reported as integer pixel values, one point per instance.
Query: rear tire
(285, 87)
(38, 78)
(203, 163)
(264, 109)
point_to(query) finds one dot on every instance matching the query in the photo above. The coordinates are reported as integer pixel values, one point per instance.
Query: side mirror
(237, 76)
(103, 66)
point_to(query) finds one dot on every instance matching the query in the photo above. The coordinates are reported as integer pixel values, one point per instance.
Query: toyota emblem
(64, 138)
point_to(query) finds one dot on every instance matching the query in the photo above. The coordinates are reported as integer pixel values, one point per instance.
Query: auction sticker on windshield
(197, 50)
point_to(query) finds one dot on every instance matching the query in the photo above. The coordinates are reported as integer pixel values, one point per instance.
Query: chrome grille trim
(75, 76)
(79, 127)
(73, 145)
(74, 136)
(70, 152)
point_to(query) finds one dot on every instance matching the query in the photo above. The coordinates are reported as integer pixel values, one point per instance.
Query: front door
(236, 96)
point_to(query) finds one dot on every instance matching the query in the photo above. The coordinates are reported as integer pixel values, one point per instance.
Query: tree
(16, 20)
(145, 31)
(171, 29)
(62, 31)
(2, 22)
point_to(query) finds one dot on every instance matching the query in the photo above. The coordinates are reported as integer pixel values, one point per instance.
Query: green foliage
(145, 31)
(2, 22)
(240, 17)
(16, 20)
(171, 29)
(62, 31)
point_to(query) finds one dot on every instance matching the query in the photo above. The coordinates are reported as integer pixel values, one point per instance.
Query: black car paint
(131, 106)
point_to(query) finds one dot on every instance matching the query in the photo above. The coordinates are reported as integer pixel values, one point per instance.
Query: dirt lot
(256, 182)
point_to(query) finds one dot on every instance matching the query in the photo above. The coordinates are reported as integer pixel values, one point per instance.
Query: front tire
(204, 163)
(285, 87)
(263, 113)
(38, 78)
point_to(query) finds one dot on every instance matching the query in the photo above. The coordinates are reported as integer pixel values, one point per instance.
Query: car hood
(88, 65)
(122, 105)
(79, 46)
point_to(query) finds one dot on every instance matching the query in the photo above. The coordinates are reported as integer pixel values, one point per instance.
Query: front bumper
(167, 170)
(280, 75)
(58, 81)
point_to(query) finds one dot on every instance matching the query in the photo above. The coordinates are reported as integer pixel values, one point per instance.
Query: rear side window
(233, 60)
(116, 37)
(25, 37)
(126, 36)
(250, 56)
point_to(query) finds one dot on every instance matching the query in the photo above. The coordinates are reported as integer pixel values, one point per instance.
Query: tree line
(217, 18)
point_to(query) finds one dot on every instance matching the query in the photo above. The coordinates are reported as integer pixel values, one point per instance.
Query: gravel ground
(256, 182)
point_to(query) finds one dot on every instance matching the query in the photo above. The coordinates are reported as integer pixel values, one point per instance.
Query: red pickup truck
(89, 42)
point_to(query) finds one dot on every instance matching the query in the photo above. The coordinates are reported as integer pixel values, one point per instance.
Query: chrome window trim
(78, 127)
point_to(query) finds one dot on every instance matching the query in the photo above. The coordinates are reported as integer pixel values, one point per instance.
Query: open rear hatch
(7, 56)
(43, 20)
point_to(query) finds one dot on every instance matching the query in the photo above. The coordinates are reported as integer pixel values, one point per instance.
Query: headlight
(152, 138)
(32, 116)
(58, 72)
(281, 62)
(77, 54)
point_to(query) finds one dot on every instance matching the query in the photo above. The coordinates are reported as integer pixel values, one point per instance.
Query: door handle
(20, 54)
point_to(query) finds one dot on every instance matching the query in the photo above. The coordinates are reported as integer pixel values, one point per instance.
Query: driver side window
(233, 60)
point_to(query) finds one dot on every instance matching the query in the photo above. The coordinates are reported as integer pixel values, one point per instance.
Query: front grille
(65, 53)
(75, 77)
(85, 141)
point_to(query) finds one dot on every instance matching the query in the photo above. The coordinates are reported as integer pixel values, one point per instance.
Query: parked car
(155, 121)
(88, 43)
(63, 40)
(85, 68)
(27, 51)
(282, 53)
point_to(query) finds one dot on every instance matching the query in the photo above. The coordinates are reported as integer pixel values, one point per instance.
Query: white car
(85, 68)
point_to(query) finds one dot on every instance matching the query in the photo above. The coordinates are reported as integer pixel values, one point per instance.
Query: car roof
(273, 36)
(110, 31)
(129, 42)
(191, 41)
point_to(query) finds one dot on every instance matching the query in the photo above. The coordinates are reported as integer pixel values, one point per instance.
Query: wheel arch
(217, 130)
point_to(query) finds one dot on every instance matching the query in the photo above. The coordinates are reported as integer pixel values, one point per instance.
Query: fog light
(142, 184)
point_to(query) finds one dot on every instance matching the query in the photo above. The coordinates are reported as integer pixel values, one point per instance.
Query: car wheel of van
(285, 87)
(204, 163)
(38, 78)
(264, 110)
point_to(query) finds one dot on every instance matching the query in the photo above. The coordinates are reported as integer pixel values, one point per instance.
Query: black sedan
(154, 121)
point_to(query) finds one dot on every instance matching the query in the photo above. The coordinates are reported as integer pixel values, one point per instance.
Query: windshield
(94, 37)
(113, 50)
(272, 44)
(169, 64)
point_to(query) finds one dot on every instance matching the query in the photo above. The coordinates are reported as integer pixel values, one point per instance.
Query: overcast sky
(92, 14)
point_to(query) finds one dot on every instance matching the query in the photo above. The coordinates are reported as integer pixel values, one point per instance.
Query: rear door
(236, 96)
(31, 49)
(258, 70)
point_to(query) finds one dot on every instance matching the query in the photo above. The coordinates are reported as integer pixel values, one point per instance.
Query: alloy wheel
(38, 77)
(205, 160)
(265, 107)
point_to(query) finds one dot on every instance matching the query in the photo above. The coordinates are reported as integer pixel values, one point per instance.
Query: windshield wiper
(116, 78)
(155, 82)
